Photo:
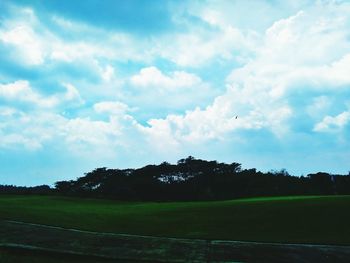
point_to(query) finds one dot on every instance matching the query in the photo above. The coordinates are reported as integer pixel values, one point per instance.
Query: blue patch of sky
(36, 167)
(141, 17)
(12, 71)
(77, 71)
(128, 68)
(4, 12)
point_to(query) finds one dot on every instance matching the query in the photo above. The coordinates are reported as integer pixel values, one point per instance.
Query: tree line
(196, 179)
(191, 179)
(38, 190)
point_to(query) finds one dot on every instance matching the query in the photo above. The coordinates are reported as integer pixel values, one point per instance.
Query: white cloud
(152, 77)
(107, 45)
(82, 136)
(154, 91)
(159, 136)
(332, 124)
(32, 42)
(7, 111)
(108, 73)
(21, 91)
(28, 130)
(303, 55)
(12, 90)
(80, 131)
(9, 140)
(209, 35)
(77, 51)
(71, 94)
(307, 38)
(199, 47)
(228, 113)
(111, 107)
(26, 42)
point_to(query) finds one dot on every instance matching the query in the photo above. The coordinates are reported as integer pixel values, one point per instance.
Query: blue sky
(86, 84)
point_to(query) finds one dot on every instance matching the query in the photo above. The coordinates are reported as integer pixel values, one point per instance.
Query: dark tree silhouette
(191, 179)
(196, 179)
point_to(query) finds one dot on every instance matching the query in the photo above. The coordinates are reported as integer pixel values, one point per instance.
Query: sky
(118, 84)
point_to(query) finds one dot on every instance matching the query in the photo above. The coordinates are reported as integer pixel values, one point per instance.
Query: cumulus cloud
(83, 136)
(26, 43)
(228, 113)
(21, 91)
(332, 124)
(111, 107)
(152, 77)
(302, 56)
(157, 91)
(30, 130)
(33, 42)
(195, 49)
(199, 46)
(9, 140)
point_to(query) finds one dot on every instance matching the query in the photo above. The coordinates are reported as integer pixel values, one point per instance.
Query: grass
(8, 255)
(302, 219)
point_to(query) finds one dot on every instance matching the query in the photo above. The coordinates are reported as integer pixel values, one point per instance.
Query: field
(316, 220)
(23, 256)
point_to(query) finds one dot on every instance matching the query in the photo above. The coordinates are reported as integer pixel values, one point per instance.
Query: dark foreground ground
(78, 230)
(23, 242)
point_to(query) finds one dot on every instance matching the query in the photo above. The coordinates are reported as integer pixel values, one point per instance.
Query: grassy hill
(302, 219)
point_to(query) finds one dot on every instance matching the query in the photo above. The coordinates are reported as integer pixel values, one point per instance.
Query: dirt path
(159, 249)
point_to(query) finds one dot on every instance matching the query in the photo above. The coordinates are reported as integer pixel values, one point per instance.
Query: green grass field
(318, 220)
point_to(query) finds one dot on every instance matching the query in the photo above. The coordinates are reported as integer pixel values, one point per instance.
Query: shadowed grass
(311, 219)
(11, 255)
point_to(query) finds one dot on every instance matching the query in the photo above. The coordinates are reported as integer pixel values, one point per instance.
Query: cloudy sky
(86, 84)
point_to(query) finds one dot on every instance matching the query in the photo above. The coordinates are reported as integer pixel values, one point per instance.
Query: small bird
(236, 117)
